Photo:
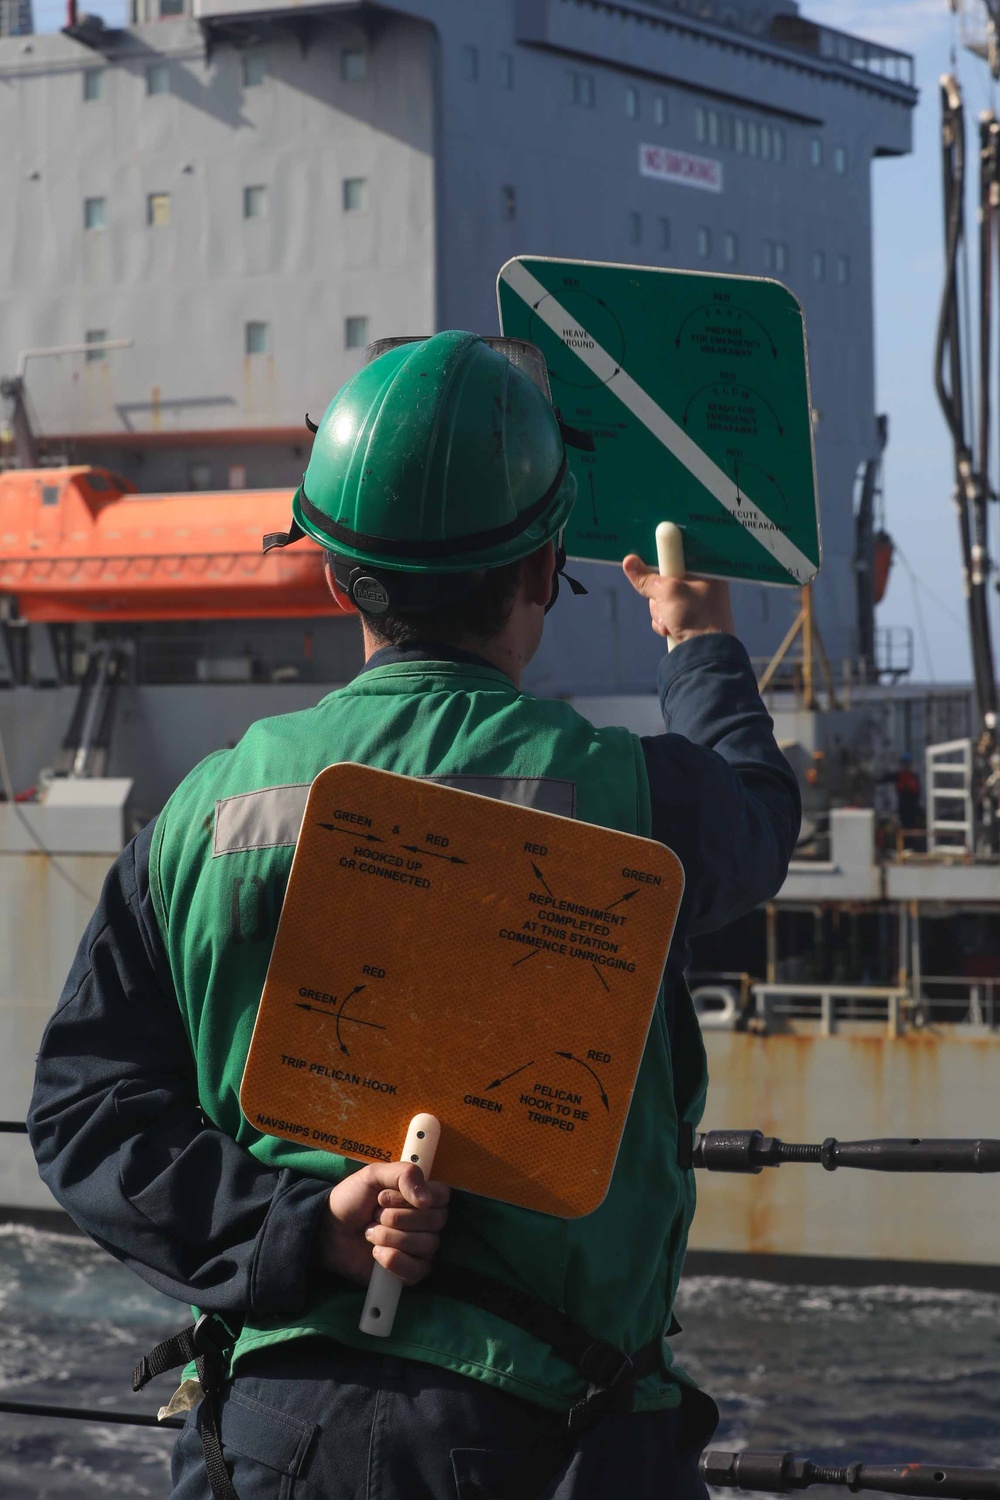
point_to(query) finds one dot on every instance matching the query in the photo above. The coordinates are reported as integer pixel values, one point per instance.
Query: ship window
(355, 332)
(582, 88)
(171, 8)
(50, 494)
(158, 210)
(470, 64)
(508, 201)
(632, 102)
(253, 70)
(93, 84)
(700, 124)
(843, 270)
(257, 338)
(660, 109)
(354, 64)
(713, 127)
(819, 265)
(704, 242)
(93, 213)
(740, 136)
(778, 142)
(634, 227)
(158, 78)
(95, 336)
(753, 138)
(730, 248)
(506, 63)
(254, 202)
(355, 194)
(768, 255)
(664, 234)
(780, 256)
(816, 151)
(840, 159)
(765, 142)
(199, 476)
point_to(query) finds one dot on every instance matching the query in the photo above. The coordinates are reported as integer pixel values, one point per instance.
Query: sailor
(911, 813)
(531, 1358)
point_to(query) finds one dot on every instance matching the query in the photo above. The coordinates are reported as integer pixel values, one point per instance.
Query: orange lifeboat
(883, 554)
(80, 544)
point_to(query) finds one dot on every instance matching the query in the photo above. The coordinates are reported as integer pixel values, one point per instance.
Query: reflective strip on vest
(272, 817)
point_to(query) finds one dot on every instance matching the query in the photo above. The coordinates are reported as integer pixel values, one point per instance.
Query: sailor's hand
(386, 1211)
(682, 607)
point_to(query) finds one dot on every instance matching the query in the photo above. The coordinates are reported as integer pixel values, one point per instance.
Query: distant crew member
(531, 1360)
(908, 804)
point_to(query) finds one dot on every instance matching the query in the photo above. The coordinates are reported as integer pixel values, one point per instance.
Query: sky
(925, 591)
(925, 588)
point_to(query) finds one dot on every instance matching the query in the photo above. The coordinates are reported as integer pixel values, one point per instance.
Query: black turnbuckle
(751, 1151)
(780, 1473)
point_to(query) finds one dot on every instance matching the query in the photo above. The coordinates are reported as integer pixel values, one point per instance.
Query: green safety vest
(218, 868)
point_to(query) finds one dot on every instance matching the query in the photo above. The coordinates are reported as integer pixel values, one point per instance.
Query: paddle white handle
(379, 1311)
(670, 556)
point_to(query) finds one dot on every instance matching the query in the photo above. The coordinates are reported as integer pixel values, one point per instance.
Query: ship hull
(854, 1085)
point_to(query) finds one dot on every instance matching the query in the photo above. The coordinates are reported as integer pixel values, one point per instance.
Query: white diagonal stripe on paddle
(662, 426)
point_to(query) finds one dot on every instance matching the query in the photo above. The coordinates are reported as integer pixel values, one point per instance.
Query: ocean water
(883, 1374)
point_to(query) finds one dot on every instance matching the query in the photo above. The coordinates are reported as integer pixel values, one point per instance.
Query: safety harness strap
(206, 1342)
(610, 1373)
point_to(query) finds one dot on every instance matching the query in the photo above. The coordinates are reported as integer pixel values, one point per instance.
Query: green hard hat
(440, 456)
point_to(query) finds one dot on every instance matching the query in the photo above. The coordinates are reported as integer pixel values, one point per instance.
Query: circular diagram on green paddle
(598, 325)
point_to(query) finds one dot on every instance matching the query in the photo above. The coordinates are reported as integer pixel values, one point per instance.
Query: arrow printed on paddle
(573, 1058)
(354, 1020)
(363, 836)
(340, 1015)
(512, 1074)
(627, 897)
(452, 859)
(541, 877)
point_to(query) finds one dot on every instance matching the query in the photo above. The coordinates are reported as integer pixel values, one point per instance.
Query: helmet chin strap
(560, 572)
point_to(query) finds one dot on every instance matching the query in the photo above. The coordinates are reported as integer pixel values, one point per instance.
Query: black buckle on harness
(602, 1365)
(611, 1377)
(210, 1337)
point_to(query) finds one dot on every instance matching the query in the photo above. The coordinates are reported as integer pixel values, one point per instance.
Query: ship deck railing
(931, 1003)
(968, 1006)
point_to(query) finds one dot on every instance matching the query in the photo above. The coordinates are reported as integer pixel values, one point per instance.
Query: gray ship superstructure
(16, 18)
(248, 192)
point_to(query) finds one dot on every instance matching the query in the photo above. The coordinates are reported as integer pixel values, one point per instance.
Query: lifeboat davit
(80, 544)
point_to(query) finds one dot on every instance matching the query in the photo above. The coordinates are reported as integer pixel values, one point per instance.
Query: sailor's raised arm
(722, 794)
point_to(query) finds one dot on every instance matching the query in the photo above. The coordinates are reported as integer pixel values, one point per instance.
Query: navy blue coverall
(203, 1221)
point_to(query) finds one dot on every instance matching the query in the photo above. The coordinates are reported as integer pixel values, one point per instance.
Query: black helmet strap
(560, 572)
(282, 538)
(375, 591)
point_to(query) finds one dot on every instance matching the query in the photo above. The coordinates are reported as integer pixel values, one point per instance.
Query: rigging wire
(915, 577)
(918, 611)
(36, 839)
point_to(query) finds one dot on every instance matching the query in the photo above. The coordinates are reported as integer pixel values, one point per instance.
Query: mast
(971, 447)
